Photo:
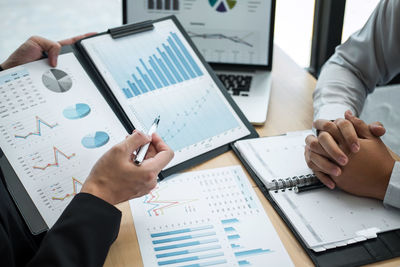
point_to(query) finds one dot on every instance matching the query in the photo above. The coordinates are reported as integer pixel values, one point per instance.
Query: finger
(325, 179)
(324, 165)
(328, 126)
(52, 48)
(158, 143)
(151, 152)
(73, 40)
(349, 134)
(360, 126)
(313, 144)
(136, 140)
(162, 158)
(332, 148)
(377, 129)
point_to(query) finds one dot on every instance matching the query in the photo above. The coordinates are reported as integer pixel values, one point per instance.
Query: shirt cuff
(392, 196)
(332, 112)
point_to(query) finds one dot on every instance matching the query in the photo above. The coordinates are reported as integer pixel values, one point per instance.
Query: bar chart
(204, 237)
(163, 4)
(170, 64)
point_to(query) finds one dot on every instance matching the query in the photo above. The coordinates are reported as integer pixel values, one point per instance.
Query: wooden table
(290, 109)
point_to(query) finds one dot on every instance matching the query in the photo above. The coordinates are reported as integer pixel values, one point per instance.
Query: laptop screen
(225, 31)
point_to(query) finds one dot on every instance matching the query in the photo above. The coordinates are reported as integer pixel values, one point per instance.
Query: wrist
(99, 190)
(386, 179)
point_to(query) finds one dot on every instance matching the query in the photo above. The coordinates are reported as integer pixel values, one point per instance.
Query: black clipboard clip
(129, 29)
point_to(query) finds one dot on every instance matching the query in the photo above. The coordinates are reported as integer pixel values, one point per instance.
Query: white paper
(44, 132)
(276, 157)
(205, 218)
(328, 218)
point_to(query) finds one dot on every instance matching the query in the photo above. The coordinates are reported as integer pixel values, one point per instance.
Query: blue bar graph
(158, 71)
(185, 237)
(181, 231)
(134, 89)
(187, 251)
(203, 264)
(234, 220)
(244, 263)
(181, 58)
(127, 93)
(188, 244)
(200, 257)
(171, 63)
(233, 237)
(235, 246)
(229, 229)
(252, 252)
(187, 54)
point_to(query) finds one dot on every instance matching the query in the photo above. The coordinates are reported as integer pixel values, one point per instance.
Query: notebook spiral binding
(292, 182)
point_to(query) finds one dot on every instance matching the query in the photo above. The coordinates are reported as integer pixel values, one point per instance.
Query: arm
(369, 57)
(82, 235)
(89, 225)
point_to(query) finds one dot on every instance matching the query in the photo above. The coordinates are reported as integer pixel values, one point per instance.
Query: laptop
(234, 36)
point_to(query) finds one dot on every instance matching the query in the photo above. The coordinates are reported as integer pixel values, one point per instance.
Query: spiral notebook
(323, 218)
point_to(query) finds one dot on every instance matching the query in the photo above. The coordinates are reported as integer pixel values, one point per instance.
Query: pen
(299, 189)
(143, 150)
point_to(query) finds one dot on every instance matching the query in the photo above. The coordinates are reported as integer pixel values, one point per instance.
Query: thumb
(53, 54)
(136, 140)
(360, 126)
(377, 129)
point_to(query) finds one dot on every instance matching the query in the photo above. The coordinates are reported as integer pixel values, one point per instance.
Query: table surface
(290, 109)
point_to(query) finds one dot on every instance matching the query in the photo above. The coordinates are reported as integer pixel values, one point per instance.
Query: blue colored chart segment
(170, 63)
(95, 140)
(77, 111)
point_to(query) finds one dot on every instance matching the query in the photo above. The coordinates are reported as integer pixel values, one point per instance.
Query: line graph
(75, 184)
(159, 205)
(220, 36)
(56, 163)
(38, 131)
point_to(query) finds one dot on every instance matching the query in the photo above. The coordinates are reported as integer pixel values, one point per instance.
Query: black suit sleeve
(82, 235)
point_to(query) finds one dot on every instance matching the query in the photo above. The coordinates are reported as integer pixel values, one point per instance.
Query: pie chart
(95, 140)
(57, 80)
(222, 5)
(77, 111)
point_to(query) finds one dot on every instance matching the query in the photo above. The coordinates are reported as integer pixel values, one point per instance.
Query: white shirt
(368, 58)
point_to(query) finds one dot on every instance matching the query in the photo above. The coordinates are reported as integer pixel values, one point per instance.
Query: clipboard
(27, 208)
(385, 246)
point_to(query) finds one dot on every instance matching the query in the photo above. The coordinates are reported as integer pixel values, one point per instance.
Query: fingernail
(349, 112)
(355, 147)
(336, 172)
(331, 185)
(342, 160)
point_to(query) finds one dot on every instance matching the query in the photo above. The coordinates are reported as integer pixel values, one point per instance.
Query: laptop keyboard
(236, 84)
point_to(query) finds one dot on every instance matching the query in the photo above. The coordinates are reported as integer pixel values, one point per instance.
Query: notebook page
(276, 157)
(331, 218)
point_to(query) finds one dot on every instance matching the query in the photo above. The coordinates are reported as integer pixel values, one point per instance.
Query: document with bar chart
(54, 125)
(206, 218)
(157, 73)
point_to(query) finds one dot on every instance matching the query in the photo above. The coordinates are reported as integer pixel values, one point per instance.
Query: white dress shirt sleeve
(368, 58)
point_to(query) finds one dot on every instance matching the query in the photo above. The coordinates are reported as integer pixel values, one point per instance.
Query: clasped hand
(349, 154)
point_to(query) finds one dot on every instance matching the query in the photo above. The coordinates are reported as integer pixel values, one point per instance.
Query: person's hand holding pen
(115, 178)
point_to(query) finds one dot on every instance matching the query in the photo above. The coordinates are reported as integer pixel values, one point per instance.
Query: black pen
(299, 189)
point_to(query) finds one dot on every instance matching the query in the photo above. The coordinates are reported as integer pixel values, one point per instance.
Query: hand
(33, 50)
(368, 171)
(115, 178)
(325, 156)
